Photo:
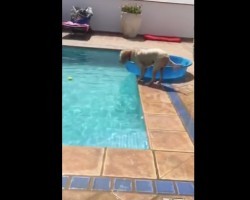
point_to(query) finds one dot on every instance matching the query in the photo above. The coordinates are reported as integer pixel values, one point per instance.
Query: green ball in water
(70, 78)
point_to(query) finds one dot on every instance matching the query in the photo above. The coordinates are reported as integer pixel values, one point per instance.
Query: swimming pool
(101, 103)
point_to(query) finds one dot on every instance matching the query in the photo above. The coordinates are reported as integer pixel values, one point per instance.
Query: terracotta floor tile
(163, 122)
(187, 99)
(170, 141)
(159, 108)
(185, 89)
(82, 160)
(87, 195)
(190, 109)
(129, 163)
(192, 115)
(151, 95)
(190, 87)
(170, 197)
(134, 196)
(76, 195)
(175, 165)
(155, 97)
(146, 89)
(90, 195)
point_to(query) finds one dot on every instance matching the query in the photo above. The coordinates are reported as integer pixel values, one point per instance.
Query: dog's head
(125, 55)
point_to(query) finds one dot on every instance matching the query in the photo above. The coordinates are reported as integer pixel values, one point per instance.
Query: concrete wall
(157, 18)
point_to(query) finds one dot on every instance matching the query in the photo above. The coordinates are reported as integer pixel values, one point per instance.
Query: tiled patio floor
(171, 153)
(87, 195)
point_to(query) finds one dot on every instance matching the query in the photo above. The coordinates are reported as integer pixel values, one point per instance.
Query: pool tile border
(122, 185)
(102, 184)
(64, 181)
(144, 186)
(78, 182)
(184, 188)
(164, 187)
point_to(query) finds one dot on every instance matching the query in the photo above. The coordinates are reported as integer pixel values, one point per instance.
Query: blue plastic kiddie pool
(168, 72)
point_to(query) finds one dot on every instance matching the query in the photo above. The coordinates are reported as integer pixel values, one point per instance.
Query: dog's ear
(124, 55)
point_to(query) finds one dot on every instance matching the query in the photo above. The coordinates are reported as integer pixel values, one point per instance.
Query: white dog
(145, 58)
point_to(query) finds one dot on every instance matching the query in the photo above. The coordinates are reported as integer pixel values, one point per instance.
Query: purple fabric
(70, 24)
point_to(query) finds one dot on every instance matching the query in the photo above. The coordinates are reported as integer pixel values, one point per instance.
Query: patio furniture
(80, 20)
(76, 27)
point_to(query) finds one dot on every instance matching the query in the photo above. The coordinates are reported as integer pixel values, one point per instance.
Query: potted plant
(131, 20)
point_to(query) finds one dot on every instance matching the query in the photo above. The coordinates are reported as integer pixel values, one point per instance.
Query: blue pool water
(101, 104)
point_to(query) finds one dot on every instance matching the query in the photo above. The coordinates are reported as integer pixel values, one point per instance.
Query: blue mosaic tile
(102, 184)
(164, 187)
(64, 181)
(185, 188)
(79, 183)
(144, 186)
(123, 185)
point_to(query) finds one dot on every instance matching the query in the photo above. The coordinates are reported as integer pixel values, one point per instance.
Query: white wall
(157, 18)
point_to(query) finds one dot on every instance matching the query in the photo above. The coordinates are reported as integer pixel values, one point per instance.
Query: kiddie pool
(168, 72)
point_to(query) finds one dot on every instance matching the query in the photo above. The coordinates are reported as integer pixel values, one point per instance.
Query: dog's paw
(149, 83)
(157, 83)
(139, 81)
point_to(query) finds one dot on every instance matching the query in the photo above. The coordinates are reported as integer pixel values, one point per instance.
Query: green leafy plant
(134, 9)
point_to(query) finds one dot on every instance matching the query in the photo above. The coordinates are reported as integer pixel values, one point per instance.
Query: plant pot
(130, 24)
